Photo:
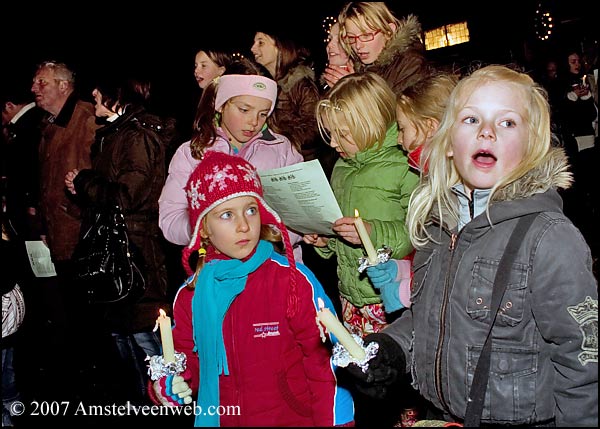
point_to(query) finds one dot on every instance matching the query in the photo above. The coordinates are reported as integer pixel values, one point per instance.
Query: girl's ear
(393, 26)
(432, 126)
(203, 232)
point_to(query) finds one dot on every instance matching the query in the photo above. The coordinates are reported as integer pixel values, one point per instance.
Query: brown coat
(65, 145)
(128, 163)
(294, 114)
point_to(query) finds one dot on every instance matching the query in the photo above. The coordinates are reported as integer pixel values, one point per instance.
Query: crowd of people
(444, 167)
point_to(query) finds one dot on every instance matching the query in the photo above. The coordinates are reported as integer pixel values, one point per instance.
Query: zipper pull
(452, 241)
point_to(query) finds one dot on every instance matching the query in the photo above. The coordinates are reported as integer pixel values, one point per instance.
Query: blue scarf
(219, 282)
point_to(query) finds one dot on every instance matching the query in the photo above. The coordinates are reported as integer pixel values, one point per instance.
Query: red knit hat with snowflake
(220, 177)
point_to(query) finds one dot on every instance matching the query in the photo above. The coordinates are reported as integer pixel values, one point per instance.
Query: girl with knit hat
(246, 317)
(231, 118)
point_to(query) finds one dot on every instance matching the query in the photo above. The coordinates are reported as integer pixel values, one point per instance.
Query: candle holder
(342, 358)
(158, 368)
(383, 255)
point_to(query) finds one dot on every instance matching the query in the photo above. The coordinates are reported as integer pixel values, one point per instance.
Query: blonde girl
(358, 119)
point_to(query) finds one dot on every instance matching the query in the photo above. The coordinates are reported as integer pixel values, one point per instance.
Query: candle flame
(162, 313)
(320, 303)
(356, 213)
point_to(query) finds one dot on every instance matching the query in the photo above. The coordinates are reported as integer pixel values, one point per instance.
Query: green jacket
(377, 182)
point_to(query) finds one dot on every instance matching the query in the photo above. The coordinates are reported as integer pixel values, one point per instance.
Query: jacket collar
(533, 192)
(295, 75)
(66, 113)
(390, 140)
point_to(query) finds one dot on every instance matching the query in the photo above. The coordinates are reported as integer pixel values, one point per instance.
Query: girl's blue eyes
(250, 211)
(507, 123)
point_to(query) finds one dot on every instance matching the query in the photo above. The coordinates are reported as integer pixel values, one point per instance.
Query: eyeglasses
(365, 37)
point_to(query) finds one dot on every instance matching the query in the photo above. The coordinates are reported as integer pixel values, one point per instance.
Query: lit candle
(333, 326)
(166, 336)
(583, 81)
(364, 237)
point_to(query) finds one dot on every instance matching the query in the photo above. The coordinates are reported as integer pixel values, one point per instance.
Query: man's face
(47, 90)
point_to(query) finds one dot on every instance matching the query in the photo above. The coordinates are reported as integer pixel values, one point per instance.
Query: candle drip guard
(342, 358)
(158, 368)
(383, 255)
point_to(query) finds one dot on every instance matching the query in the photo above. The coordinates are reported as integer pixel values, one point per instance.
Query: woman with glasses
(379, 42)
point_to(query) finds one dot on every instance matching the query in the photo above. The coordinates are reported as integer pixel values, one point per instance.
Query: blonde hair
(425, 101)
(376, 16)
(362, 102)
(433, 196)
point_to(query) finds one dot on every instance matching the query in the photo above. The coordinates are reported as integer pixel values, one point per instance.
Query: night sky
(162, 39)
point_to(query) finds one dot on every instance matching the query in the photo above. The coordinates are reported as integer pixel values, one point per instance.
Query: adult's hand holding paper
(301, 194)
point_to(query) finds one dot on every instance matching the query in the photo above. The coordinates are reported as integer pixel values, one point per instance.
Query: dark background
(161, 39)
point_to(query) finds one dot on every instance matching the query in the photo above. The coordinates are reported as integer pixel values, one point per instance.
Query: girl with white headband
(231, 118)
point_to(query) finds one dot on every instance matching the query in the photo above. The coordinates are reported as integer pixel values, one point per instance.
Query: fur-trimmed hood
(553, 172)
(295, 75)
(407, 37)
(402, 62)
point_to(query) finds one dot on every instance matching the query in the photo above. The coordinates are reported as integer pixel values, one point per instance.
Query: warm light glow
(356, 213)
(448, 35)
(162, 313)
(543, 21)
(327, 24)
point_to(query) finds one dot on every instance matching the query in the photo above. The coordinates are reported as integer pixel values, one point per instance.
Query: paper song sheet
(301, 194)
(39, 258)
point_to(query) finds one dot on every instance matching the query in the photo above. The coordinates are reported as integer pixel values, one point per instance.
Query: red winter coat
(279, 370)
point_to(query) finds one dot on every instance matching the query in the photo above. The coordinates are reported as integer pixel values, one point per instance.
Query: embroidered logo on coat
(267, 329)
(586, 315)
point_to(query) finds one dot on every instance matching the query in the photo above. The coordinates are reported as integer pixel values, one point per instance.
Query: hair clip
(329, 105)
(202, 251)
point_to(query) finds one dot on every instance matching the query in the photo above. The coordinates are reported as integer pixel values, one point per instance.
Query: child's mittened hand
(384, 277)
(382, 274)
(172, 391)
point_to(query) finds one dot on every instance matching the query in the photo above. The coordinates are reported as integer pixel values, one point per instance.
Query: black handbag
(106, 264)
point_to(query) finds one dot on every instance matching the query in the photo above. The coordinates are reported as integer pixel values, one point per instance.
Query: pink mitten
(172, 391)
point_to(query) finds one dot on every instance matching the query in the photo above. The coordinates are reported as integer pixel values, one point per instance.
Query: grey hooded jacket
(544, 362)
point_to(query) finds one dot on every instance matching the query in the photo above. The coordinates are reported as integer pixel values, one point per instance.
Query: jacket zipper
(442, 328)
(237, 365)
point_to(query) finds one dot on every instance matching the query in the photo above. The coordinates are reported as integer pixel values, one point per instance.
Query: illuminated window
(448, 35)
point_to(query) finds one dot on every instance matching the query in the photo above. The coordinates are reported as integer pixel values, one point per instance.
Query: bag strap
(479, 385)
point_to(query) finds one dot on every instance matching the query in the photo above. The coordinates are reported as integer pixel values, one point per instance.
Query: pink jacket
(265, 151)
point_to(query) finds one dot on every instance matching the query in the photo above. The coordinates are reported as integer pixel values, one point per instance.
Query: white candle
(364, 237)
(166, 336)
(583, 81)
(333, 326)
